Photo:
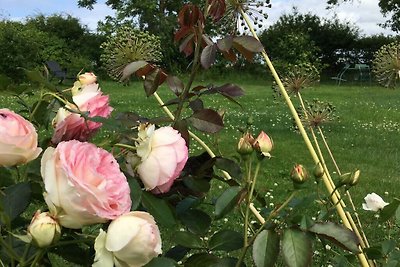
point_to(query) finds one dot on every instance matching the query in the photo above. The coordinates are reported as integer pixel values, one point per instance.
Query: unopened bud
(263, 144)
(299, 174)
(350, 178)
(245, 146)
(318, 171)
(44, 229)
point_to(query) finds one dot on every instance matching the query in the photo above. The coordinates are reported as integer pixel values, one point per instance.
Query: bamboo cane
(328, 184)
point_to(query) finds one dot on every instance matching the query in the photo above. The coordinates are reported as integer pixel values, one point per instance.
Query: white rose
(132, 239)
(373, 202)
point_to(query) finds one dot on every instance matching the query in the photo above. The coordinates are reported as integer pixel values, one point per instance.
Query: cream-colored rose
(19, 140)
(132, 239)
(44, 229)
(87, 78)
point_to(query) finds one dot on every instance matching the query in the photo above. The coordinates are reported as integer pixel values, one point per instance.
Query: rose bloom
(87, 78)
(131, 240)
(69, 126)
(83, 184)
(163, 154)
(19, 140)
(373, 202)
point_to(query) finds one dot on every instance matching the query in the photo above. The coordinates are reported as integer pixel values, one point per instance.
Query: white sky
(363, 13)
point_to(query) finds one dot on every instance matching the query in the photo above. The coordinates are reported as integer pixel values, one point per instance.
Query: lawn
(365, 137)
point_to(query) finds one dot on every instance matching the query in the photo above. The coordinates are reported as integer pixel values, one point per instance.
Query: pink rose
(263, 144)
(18, 139)
(163, 154)
(71, 126)
(131, 240)
(83, 184)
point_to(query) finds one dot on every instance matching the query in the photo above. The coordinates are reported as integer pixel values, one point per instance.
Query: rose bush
(163, 153)
(19, 140)
(132, 239)
(83, 184)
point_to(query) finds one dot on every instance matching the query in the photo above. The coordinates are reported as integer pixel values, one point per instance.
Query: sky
(363, 13)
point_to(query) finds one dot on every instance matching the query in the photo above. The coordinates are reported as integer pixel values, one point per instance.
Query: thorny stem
(327, 181)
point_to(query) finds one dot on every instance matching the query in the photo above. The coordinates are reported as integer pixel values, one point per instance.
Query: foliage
(311, 38)
(128, 45)
(386, 65)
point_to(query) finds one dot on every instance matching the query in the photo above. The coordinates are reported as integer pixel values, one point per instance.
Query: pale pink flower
(44, 229)
(83, 184)
(263, 144)
(18, 139)
(69, 125)
(163, 154)
(373, 202)
(131, 240)
(87, 78)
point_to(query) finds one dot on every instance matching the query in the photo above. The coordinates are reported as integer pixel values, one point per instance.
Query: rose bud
(263, 144)
(373, 202)
(83, 184)
(44, 229)
(245, 146)
(299, 174)
(87, 78)
(19, 140)
(163, 154)
(350, 179)
(318, 171)
(132, 239)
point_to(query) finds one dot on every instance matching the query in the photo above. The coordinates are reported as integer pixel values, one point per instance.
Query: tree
(326, 40)
(388, 8)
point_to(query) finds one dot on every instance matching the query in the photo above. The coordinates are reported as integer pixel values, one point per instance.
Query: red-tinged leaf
(182, 127)
(249, 43)
(217, 9)
(196, 104)
(231, 90)
(207, 120)
(225, 44)
(230, 55)
(246, 53)
(175, 84)
(152, 82)
(187, 45)
(190, 15)
(208, 55)
(182, 32)
(145, 70)
(132, 68)
(198, 88)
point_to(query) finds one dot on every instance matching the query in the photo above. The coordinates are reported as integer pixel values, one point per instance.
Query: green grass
(366, 135)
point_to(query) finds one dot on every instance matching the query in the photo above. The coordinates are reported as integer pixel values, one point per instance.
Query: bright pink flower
(83, 184)
(163, 154)
(71, 126)
(18, 139)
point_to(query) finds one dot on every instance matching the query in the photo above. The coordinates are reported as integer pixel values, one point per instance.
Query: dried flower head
(386, 65)
(128, 45)
(317, 112)
(254, 9)
(298, 77)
